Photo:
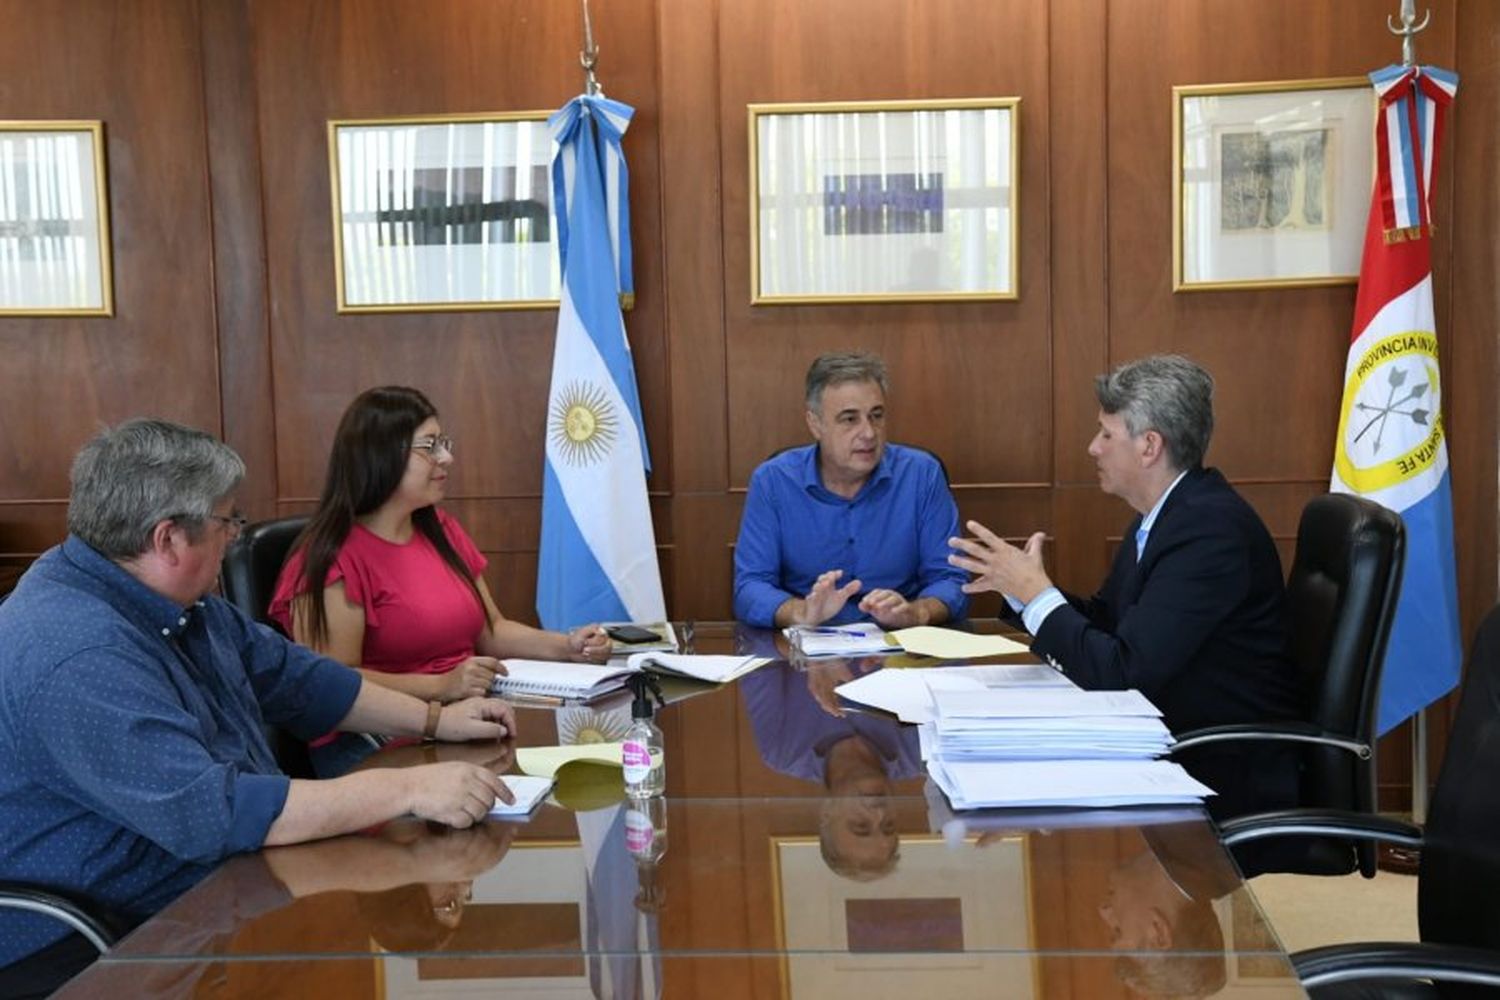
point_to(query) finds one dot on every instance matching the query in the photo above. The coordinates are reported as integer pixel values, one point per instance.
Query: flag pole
(1407, 31)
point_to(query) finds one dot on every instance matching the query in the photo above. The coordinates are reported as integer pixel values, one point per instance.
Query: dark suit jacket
(1199, 627)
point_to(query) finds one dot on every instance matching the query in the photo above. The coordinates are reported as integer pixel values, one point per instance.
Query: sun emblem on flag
(583, 423)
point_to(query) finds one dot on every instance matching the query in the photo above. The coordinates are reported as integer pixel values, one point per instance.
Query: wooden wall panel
(239, 251)
(136, 66)
(949, 363)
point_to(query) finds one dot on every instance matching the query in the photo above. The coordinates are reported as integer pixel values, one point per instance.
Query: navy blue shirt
(794, 733)
(132, 757)
(892, 534)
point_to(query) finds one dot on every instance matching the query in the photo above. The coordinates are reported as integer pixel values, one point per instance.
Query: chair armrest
(1397, 960)
(1320, 823)
(1296, 732)
(49, 903)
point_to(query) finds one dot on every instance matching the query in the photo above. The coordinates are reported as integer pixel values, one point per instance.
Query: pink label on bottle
(638, 832)
(637, 760)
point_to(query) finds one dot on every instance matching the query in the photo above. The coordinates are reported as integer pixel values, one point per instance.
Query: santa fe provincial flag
(598, 552)
(1390, 444)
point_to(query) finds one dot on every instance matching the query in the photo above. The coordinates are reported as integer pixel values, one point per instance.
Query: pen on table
(536, 700)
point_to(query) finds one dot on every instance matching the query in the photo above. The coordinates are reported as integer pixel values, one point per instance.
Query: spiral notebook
(555, 679)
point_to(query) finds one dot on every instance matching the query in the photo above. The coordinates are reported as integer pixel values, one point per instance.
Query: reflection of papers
(950, 644)
(909, 694)
(1092, 783)
(956, 829)
(545, 761)
(528, 791)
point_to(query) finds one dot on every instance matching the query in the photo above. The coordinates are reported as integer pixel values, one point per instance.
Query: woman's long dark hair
(368, 459)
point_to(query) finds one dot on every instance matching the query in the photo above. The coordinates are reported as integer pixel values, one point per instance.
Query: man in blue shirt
(132, 754)
(849, 527)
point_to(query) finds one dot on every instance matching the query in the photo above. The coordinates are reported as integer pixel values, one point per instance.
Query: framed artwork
(884, 201)
(535, 904)
(443, 213)
(930, 926)
(1271, 183)
(54, 220)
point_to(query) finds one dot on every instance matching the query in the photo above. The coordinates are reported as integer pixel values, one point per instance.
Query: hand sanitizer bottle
(645, 763)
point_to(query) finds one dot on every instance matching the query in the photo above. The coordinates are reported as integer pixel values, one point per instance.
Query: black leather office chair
(93, 931)
(248, 579)
(1458, 887)
(95, 927)
(253, 562)
(1341, 597)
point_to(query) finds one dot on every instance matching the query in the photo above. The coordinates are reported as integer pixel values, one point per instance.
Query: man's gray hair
(835, 369)
(1166, 393)
(129, 478)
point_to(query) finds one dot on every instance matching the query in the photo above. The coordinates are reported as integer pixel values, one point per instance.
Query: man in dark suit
(1192, 613)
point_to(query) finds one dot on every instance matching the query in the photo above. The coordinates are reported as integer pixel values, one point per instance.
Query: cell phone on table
(631, 634)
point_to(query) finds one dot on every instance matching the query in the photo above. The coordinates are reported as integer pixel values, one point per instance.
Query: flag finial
(589, 57)
(1407, 30)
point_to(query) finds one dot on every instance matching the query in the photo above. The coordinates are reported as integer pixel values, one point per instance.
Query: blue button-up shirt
(132, 757)
(892, 534)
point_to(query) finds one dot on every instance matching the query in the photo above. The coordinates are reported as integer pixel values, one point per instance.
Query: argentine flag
(598, 550)
(1390, 445)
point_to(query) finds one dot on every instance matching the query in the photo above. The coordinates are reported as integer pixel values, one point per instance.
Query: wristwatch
(434, 711)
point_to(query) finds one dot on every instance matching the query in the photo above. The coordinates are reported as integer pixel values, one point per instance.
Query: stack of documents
(717, 669)
(1024, 736)
(556, 679)
(1045, 724)
(855, 639)
(1099, 783)
(910, 694)
(870, 638)
(529, 792)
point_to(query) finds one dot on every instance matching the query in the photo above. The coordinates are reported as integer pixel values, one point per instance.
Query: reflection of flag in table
(1390, 444)
(598, 552)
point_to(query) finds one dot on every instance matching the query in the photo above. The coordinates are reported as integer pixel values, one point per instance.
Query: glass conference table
(796, 853)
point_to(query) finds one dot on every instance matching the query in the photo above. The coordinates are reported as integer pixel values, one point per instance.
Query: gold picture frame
(443, 213)
(1270, 183)
(54, 220)
(884, 201)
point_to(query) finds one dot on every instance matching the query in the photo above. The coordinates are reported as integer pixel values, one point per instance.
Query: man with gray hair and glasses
(132, 754)
(1193, 611)
(849, 527)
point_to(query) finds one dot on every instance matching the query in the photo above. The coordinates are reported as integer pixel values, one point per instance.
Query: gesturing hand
(826, 598)
(892, 610)
(999, 565)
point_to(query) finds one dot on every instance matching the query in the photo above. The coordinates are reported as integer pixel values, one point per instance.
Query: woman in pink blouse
(384, 581)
